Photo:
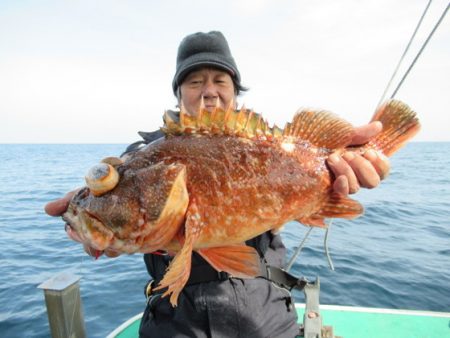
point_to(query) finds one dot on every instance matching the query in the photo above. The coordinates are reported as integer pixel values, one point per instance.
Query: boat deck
(355, 322)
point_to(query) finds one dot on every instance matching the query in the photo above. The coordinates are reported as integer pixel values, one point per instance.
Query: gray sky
(98, 71)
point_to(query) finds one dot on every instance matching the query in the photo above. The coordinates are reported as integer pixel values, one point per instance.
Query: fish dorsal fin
(321, 128)
(243, 123)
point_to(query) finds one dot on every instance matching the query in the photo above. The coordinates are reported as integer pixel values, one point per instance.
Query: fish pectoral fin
(173, 209)
(341, 206)
(337, 206)
(240, 261)
(313, 221)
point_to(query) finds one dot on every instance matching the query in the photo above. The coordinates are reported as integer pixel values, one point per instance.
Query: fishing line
(325, 244)
(297, 251)
(302, 244)
(77, 303)
(78, 270)
(75, 306)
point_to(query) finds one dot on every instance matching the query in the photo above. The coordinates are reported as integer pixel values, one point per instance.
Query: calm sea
(396, 256)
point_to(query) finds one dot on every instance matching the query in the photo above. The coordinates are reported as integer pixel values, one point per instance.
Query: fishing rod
(300, 247)
(417, 55)
(404, 54)
(421, 50)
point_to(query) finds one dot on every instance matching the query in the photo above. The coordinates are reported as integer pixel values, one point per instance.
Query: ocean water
(395, 256)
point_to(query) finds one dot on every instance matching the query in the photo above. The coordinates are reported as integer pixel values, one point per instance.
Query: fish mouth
(73, 235)
(85, 228)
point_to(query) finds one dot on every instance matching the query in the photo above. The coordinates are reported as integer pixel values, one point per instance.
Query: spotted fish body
(221, 178)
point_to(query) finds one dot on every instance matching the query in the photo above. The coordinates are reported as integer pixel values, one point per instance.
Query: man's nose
(209, 90)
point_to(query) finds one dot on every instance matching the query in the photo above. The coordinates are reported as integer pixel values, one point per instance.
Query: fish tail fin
(337, 206)
(400, 124)
(240, 261)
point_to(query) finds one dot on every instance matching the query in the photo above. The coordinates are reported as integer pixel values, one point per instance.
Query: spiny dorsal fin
(244, 123)
(321, 128)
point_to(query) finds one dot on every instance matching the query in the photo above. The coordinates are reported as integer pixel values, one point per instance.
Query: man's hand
(58, 208)
(352, 170)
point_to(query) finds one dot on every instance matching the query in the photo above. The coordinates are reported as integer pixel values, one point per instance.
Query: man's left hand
(352, 170)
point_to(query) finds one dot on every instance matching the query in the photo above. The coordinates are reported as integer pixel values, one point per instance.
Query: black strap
(203, 274)
(284, 278)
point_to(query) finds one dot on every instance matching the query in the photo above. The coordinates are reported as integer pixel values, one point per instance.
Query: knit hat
(204, 49)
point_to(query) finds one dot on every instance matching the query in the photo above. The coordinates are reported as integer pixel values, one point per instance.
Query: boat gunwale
(344, 308)
(380, 310)
(124, 325)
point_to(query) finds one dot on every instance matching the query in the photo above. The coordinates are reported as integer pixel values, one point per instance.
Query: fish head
(142, 213)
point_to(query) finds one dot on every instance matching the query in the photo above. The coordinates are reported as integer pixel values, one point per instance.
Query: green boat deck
(355, 322)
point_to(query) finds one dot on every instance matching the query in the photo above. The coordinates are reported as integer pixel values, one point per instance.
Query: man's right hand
(59, 207)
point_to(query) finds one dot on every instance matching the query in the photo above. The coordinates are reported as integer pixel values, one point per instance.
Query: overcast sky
(98, 71)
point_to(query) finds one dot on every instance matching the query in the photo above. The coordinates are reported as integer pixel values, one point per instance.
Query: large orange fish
(219, 179)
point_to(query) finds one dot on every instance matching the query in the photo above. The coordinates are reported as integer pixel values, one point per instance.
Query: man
(214, 304)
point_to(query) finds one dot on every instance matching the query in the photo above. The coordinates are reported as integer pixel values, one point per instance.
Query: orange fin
(243, 123)
(171, 122)
(240, 261)
(400, 124)
(340, 206)
(179, 269)
(177, 273)
(168, 197)
(321, 128)
(337, 206)
(313, 221)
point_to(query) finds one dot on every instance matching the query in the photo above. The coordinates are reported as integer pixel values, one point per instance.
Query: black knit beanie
(204, 49)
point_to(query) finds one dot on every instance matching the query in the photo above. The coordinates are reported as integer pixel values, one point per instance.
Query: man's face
(214, 86)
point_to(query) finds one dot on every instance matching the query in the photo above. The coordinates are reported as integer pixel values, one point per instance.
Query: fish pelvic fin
(336, 206)
(239, 261)
(320, 128)
(400, 124)
(177, 273)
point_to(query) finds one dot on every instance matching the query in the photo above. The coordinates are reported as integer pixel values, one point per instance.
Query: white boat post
(64, 308)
